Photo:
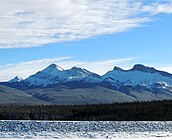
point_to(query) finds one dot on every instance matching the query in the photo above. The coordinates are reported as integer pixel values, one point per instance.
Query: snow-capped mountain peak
(50, 75)
(76, 69)
(138, 75)
(140, 83)
(15, 79)
(82, 71)
(53, 67)
(54, 74)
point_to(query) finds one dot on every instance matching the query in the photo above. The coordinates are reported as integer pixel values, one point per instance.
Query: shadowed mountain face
(13, 96)
(143, 68)
(79, 86)
(66, 96)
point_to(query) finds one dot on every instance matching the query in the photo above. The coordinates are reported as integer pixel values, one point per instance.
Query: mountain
(143, 68)
(54, 74)
(13, 96)
(138, 75)
(80, 86)
(15, 79)
(66, 96)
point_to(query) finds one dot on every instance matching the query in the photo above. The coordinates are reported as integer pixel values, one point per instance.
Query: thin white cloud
(158, 8)
(37, 22)
(26, 69)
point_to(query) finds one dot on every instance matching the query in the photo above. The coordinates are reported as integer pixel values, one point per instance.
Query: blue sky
(141, 34)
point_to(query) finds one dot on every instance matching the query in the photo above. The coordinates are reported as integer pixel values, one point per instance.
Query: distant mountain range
(55, 85)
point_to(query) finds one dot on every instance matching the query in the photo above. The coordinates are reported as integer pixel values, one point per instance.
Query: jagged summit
(54, 74)
(117, 68)
(138, 75)
(53, 67)
(15, 79)
(76, 68)
(140, 67)
(80, 86)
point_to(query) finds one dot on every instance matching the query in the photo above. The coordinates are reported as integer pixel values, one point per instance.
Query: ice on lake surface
(84, 129)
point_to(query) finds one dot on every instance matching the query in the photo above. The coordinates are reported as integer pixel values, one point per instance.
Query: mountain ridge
(80, 86)
(138, 75)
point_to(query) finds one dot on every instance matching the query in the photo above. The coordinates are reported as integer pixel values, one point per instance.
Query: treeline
(138, 111)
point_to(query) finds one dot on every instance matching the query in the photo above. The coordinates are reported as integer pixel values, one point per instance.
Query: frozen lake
(84, 130)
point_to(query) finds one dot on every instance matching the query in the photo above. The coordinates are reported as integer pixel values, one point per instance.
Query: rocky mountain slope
(80, 86)
(10, 96)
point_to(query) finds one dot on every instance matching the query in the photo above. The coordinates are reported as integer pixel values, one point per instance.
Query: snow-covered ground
(85, 130)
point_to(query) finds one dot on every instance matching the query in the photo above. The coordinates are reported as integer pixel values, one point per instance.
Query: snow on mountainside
(161, 85)
(56, 85)
(138, 75)
(54, 74)
(15, 79)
